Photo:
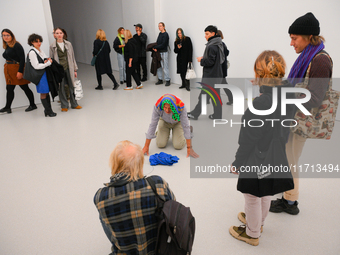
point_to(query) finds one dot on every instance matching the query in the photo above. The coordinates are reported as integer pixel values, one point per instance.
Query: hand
(50, 59)
(75, 74)
(155, 50)
(233, 169)
(199, 59)
(130, 65)
(19, 76)
(146, 150)
(192, 153)
(179, 46)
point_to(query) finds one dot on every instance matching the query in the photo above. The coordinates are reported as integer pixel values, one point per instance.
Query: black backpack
(176, 226)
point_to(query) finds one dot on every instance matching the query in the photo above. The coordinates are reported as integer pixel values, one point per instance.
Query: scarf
(176, 105)
(301, 64)
(215, 41)
(120, 37)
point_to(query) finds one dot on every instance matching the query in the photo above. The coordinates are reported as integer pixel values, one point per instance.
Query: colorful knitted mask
(176, 105)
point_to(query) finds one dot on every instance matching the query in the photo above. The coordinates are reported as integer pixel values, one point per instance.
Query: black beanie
(305, 25)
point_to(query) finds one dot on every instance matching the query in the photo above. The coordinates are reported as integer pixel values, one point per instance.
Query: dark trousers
(10, 94)
(131, 71)
(141, 62)
(217, 108)
(227, 91)
(185, 82)
(99, 79)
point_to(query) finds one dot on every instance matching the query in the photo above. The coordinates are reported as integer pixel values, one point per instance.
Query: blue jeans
(121, 65)
(165, 67)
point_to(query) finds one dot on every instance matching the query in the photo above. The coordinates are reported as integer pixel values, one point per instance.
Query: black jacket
(131, 51)
(116, 44)
(141, 43)
(260, 137)
(225, 63)
(54, 73)
(184, 54)
(103, 62)
(155, 58)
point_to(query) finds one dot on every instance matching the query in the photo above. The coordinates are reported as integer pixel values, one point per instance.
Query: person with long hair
(101, 49)
(62, 51)
(315, 67)
(39, 61)
(119, 46)
(127, 204)
(269, 70)
(162, 48)
(183, 49)
(131, 60)
(13, 69)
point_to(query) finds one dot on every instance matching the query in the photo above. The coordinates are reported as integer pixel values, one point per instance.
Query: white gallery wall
(22, 24)
(249, 27)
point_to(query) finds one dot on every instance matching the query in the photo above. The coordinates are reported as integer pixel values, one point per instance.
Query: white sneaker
(140, 86)
(128, 88)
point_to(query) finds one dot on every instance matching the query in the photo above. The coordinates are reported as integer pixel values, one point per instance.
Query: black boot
(187, 85)
(159, 82)
(47, 105)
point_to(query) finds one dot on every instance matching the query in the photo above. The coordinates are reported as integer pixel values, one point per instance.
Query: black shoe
(167, 83)
(121, 82)
(99, 87)
(31, 108)
(281, 205)
(115, 86)
(181, 87)
(192, 117)
(159, 82)
(143, 79)
(211, 116)
(3, 110)
(124, 81)
(229, 103)
(187, 87)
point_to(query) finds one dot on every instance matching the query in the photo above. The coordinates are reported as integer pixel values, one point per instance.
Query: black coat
(225, 63)
(155, 58)
(260, 137)
(54, 74)
(103, 62)
(184, 54)
(131, 50)
(141, 41)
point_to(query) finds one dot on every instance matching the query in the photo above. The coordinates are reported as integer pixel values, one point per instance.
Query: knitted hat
(305, 25)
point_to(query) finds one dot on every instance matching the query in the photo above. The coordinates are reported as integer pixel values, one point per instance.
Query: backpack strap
(153, 186)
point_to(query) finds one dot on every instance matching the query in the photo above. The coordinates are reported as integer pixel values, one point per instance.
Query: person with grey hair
(127, 204)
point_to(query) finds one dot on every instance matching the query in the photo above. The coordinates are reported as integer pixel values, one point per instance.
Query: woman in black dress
(14, 69)
(101, 48)
(183, 48)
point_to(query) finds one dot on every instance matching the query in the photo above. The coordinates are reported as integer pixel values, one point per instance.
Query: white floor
(51, 167)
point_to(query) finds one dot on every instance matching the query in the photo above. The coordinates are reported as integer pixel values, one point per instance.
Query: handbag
(30, 73)
(190, 72)
(78, 90)
(270, 173)
(93, 61)
(320, 124)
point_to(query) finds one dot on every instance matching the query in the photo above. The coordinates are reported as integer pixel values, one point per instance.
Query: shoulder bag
(93, 61)
(30, 73)
(190, 72)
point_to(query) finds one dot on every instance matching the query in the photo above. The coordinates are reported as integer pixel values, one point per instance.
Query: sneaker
(77, 107)
(128, 88)
(242, 217)
(281, 205)
(192, 117)
(159, 82)
(167, 83)
(240, 234)
(64, 109)
(139, 86)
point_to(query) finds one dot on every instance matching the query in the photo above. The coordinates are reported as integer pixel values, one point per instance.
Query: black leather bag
(31, 74)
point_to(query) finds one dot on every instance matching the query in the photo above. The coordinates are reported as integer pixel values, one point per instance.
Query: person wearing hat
(141, 38)
(169, 114)
(313, 63)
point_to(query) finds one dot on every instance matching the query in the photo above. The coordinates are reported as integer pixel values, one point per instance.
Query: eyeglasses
(6, 36)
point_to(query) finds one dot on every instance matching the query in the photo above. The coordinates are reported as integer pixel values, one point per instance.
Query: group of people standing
(62, 53)
(269, 71)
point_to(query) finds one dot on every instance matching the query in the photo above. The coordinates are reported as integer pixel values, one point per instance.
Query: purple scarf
(300, 66)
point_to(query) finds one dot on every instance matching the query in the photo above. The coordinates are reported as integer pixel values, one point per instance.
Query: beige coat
(72, 65)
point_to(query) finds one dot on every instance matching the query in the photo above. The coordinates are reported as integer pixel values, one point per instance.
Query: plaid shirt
(128, 212)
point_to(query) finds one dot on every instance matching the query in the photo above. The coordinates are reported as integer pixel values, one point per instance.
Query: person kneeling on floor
(169, 113)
